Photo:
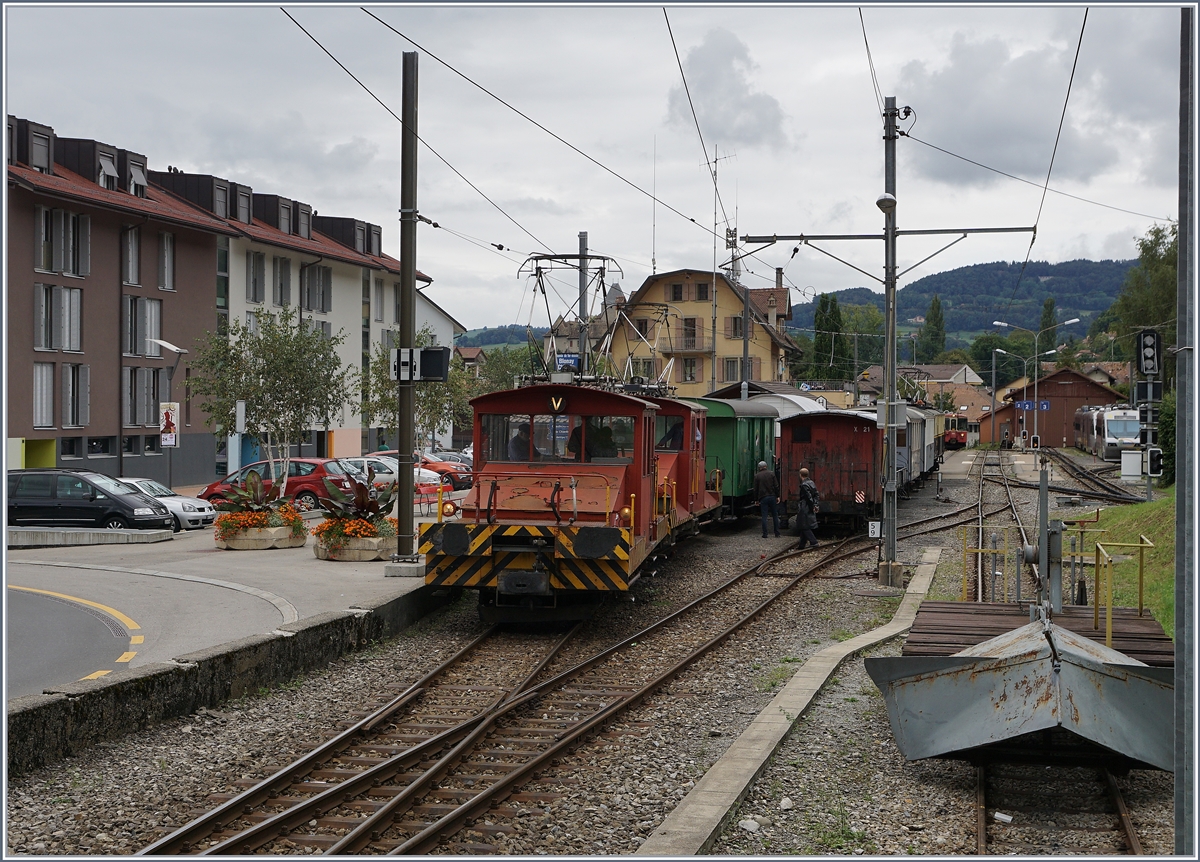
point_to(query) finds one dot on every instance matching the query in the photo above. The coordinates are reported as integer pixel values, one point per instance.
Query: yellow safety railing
(1104, 563)
(1002, 553)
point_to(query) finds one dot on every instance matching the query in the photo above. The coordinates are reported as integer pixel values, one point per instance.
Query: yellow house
(679, 328)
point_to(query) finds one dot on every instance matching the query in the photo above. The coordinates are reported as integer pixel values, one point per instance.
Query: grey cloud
(730, 111)
(1002, 110)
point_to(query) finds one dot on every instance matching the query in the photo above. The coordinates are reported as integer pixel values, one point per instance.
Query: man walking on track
(806, 517)
(766, 490)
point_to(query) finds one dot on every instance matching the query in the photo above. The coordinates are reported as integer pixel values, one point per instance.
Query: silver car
(387, 469)
(188, 513)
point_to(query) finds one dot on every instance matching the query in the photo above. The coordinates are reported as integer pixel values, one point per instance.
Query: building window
(281, 281)
(252, 322)
(143, 322)
(359, 238)
(366, 298)
(243, 205)
(702, 291)
(166, 261)
(379, 299)
(137, 179)
(322, 326)
(376, 240)
(731, 370)
(131, 255)
(303, 221)
(44, 233)
(39, 152)
(689, 371)
(70, 447)
(152, 444)
(43, 395)
(108, 172)
(316, 289)
(285, 217)
(130, 444)
(221, 200)
(75, 392)
(222, 272)
(677, 293)
(101, 447)
(643, 326)
(58, 317)
(256, 267)
(75, 241)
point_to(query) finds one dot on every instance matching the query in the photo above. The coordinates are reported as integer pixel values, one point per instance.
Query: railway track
(1028, 809)
(1089, 477)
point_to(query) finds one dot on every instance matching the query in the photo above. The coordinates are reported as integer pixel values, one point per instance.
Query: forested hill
(973, 296)
(514, 333)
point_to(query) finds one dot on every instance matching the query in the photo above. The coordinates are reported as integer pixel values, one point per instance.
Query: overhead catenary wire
(425, 143)
(523, 115)
(871, 63)
(1050, 169)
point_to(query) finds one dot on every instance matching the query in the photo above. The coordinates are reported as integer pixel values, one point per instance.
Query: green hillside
(973, 296)
(491, 336)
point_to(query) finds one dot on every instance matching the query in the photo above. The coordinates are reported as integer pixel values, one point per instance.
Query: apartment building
(102, 267)
(691, 324)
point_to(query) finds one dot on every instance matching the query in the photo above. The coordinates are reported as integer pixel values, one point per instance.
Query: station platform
(944, 628)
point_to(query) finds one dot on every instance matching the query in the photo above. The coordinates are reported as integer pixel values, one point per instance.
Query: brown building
(1066, 391)
(100, 263)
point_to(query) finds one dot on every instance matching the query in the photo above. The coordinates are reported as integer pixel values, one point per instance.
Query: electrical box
(424, 364)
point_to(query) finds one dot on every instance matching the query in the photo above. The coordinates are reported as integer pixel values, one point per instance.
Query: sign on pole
(168, 421)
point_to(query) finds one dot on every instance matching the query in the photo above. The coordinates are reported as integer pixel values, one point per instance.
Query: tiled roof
(158, 203)
(470, 354)
(783, 306)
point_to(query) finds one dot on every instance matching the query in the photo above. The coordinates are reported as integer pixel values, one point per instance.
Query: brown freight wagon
(843, 451)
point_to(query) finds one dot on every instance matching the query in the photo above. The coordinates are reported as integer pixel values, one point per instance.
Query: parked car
(387, 469)
(456, 458)
(458, 475)
(64, 497)
(305, 484)
(188, 513)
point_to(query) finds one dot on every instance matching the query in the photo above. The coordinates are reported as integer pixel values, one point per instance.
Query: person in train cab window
(519, 446)
(673, 439)
(587, 450)
(603, 444)
(806, 517)
(766, 490)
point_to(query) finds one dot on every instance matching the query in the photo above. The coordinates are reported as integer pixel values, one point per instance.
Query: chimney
(779, 278)
(771, 309)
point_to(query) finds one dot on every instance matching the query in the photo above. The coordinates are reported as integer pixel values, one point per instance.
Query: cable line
(871, 63)
(525, 116)
(458, 173)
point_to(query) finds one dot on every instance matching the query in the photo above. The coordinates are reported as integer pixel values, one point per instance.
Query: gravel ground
(849, 787)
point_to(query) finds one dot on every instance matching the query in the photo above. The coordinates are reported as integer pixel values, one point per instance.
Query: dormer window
(221, 200)
(375, 240)
(243, 205)
(360, 238)
(304, 222)
(39, 152)
(108, 176)
(285, 217)
(137, 179)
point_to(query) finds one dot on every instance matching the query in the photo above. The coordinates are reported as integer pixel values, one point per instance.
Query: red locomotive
(953, 430)
(575, 489)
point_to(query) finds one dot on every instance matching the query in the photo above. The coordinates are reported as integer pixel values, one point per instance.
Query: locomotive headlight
(625, 515)
(449, 509)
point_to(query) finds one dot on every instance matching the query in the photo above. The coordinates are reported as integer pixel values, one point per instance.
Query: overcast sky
(784, 95)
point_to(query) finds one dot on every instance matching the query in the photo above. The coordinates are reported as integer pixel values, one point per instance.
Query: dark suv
(62, 497)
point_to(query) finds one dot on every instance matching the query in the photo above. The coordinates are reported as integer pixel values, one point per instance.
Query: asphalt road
(52, 640)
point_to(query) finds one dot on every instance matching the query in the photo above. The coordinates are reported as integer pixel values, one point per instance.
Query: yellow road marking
(126, 656)
(95, 675)
(126, 621)
(136, 639)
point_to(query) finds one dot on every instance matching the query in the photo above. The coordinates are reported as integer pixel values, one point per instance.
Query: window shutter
(39, 315)
(164, 392)
(395, 303)
(260, 276)
(162, 260)
(249, 276)
(39, 225)
(276, 286)
(75, 321)
(678, 369)
(56, 318)
(756, 368)
(699, 369)
(126, 400)
(83, 397)
(729, 327)
(66, 395)
(56, 242)
(149, 408)
(85, 245)
(139, 333)
(285, 282)
(68, 243)
(327, 289)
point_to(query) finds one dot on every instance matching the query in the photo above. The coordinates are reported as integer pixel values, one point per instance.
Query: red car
(458, 475)
(305, 484)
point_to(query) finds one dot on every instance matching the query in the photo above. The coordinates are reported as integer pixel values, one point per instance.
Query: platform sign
(1027, 405)
(168, 421)
(1043, 406)
(874, 529)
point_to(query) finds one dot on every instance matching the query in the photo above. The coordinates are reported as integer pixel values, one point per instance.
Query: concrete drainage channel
(44, 728)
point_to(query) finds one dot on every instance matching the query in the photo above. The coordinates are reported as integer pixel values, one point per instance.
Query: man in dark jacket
(766, 491)
(806, 517)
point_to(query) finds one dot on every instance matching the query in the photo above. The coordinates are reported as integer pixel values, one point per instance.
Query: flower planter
(359, 550)
(262, 539)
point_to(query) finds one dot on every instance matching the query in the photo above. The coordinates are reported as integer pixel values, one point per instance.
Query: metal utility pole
(583, 303)
(737, 272)
(1185, 457)
(408, 301)
(890, 571)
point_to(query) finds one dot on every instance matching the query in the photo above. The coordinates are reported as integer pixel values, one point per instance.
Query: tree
(867, 321)
(958, 356)
(1008, 367)
(1166, 437)
(1048, 339)
(436, 405)
(831, 350)
(1148, 297)
(502, 366)
(944, 402)
(932, 338)
(286, 370)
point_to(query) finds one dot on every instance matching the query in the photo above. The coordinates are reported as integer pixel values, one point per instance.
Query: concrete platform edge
(696, 822)
(45, 728)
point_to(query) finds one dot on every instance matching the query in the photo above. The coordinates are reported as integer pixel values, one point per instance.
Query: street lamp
(178, 351)
(1036, 336)
(1024, 372)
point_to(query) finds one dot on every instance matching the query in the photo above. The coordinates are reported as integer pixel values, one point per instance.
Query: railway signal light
(1149, 351)
(1034, 441)
(1154, 458)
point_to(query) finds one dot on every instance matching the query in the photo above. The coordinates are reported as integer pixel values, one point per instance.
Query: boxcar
(571, 498)
(843, 451)
(740, 434)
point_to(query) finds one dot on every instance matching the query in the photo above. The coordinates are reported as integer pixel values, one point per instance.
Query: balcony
(685, 340)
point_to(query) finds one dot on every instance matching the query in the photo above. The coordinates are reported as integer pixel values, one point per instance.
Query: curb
(66, 720)
(696, 822)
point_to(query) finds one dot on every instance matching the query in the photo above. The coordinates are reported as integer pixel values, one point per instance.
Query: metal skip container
(1037, 677)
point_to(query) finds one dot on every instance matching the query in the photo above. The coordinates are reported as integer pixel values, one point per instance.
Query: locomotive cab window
(523, 438)
(668, 433)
